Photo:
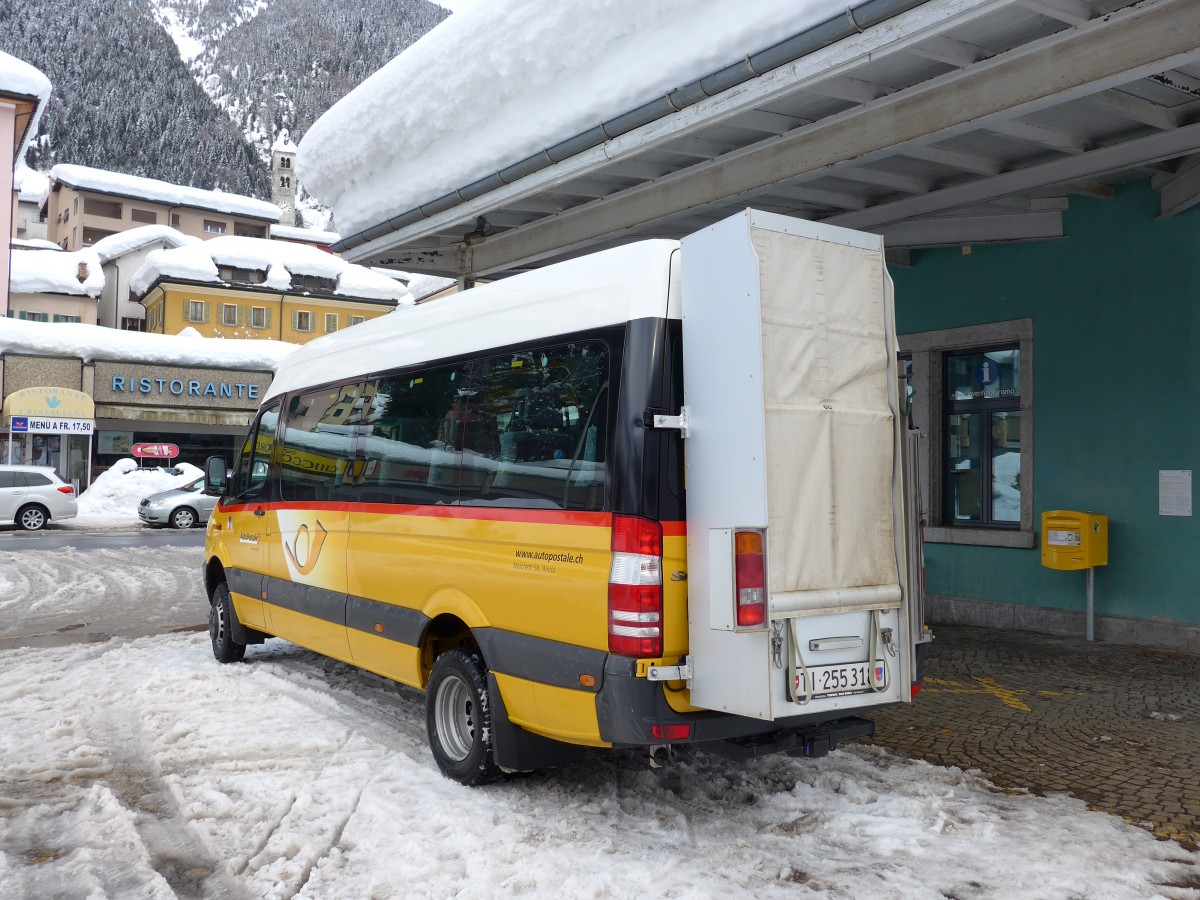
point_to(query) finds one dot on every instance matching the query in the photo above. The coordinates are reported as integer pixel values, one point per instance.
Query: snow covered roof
(424, 285)
(35, 244)
(31, 185)
(283, 143)
(20, 79)
(87, 178)
(308, 235)
(124, 241)
(45, 272)
(92, 342)
(526, 84)
(280, 259)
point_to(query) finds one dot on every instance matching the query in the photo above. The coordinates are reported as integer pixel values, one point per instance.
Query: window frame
(930, 412)
(212, 226)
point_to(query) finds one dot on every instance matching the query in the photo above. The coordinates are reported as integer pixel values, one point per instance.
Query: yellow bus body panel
(554, 712)
(400, 662)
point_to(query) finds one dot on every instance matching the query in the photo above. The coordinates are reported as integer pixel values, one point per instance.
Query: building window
(229, 314)
(973, 398)
(331, 323)
(285, 162)
(76, 205)
(174, 220)
(249, 230)
(312, 283)
(260, 317)
(285, 181)
(145, 216)
(302, 320)
(128, 324)
(212, 226)
(234, 274)
(106, 209)
(195, 311)
(33, 316)
(91, 235)
(66, 215)
(58, 318)
(355, 320)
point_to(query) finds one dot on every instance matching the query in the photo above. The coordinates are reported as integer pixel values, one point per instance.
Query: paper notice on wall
(1174, 492)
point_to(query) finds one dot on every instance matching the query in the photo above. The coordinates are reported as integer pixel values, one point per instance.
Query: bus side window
(410, 438)
(255, 457)
(317, 455)
(539, 428)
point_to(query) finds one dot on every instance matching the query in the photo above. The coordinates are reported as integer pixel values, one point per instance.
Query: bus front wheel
(458, 717)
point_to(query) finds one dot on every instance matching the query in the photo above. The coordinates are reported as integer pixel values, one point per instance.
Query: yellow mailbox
(1074, 540)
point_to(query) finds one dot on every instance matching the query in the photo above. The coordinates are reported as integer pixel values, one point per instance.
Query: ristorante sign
(147, 385)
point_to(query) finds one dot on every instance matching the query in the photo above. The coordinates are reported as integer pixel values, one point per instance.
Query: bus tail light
(635, 590)
(750, 579)
(671, 732)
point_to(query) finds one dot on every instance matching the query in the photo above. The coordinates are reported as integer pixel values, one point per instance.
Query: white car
(31, 496)
(180, 507)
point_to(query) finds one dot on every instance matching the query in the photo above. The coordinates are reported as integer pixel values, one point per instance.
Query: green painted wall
(1116, 320)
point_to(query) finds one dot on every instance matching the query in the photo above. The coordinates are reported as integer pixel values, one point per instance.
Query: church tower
(283, 178)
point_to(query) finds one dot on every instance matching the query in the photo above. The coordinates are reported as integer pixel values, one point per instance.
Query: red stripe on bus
(505, 514)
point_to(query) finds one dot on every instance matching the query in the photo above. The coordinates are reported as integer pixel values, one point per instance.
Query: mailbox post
(1076, 540)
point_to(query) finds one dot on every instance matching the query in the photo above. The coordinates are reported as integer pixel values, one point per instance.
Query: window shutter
(267, 319)
(204, 312)
(295, 321)
(237, 315)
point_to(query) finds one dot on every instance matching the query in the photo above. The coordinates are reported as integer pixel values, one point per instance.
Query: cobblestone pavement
(1117, 726)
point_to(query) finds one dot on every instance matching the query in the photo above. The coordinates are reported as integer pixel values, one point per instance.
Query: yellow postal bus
(652, 496)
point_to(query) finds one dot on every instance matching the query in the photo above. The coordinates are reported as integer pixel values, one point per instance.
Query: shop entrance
(49, 426)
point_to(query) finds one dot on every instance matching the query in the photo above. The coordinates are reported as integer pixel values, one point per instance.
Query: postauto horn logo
(304, 549)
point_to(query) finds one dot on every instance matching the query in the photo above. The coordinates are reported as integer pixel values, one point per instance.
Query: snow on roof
(156, 191)
(280, 259)
(30, 184)
(124, 241)
(35, 244)
(283, 143)
(527, 82)
(424, 285)
(43, 272)
(20, 79)
(92, 342)
(605, 288)
(310, 235)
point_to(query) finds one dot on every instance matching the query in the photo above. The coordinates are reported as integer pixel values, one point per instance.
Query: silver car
(180, 507)
(31, 496)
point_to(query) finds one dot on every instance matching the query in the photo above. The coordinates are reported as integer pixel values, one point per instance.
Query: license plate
(848, 678)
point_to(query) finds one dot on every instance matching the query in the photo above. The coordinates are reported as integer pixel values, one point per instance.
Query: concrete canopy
(956, 121)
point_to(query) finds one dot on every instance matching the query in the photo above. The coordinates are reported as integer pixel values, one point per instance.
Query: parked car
(180, 507)
(31, 496)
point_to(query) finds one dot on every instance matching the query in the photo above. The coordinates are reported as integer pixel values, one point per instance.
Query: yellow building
(248, 288)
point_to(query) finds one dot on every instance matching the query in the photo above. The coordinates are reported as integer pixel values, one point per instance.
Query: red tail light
(66, 489)
(916, 688)
(670, 732)
(750, 578)
(635, 595)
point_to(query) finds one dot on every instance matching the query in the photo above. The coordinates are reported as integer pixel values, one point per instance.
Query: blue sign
(987, 371)
(20, 423)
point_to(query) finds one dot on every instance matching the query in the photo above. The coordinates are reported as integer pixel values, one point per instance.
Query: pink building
(23, 92)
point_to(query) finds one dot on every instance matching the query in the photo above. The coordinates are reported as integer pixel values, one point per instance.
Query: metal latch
(670, 673)
(678, 423)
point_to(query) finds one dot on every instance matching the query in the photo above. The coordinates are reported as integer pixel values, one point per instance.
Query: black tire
(220, 627)
(184, 517)
(458, 717)
(32, 517)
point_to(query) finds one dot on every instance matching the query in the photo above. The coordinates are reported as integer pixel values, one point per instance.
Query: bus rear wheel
(458, 717)
(220, 627)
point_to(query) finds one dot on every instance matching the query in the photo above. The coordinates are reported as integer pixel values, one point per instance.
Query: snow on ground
(113, 498)
(143, 768)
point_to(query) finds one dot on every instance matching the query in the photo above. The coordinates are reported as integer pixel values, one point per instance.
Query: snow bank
(280, 259)
(44, 272)
(501, 81)
(114, 496)
(162, 192)
(91, 343)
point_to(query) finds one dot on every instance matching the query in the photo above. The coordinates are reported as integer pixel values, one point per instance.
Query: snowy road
(141, 768)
